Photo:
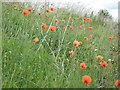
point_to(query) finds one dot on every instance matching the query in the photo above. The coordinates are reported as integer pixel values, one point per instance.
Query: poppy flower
(52, 9)
(63, 21)
(25, 12)
(103, 64)
(47, 11)
(39, 13)
(85, 38)
(81, 26)
(86, 79)
(110, 38)
(71, 52)
(30, 9)
(90, 36)
(95, 66)
(89, 44)
(71, 27)
(99, 57)
(90, 28)
(80, 43)
(89, 19)
(117, 83)
(53, 28)
(69, 17)
(85, 19)
(83, 66)
(36, 40)
(76, 43)
(44, 26)
(64, 28)
(56, 20)
(15, 6)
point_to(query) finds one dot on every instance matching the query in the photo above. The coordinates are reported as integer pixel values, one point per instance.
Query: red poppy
(89, 44)
(69, 17)
(90, 35)
(53, 28)
(71, 27)
(80, 43)
(85, 38)
(63, 21)
(25, 12)
(89, 19)
(90, 28)
(44, 26)
(83, 66)
(52, 9)
(81, 26)
(76, 43)
(85, 19)
(36, 40)
(117, 83)
(110, 38)
(56, 20)
(15, 6)
(30, 9)
(71, 52)
(86, 79)
(47, 11)
(39, 13)
(103, 64)
(99, 57)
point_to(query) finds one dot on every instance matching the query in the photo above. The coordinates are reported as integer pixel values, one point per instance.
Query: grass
(47, 63)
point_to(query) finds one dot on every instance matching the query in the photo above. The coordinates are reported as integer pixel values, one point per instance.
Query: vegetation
(57, 48)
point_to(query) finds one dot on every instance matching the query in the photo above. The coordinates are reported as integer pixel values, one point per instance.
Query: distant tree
(104, 14)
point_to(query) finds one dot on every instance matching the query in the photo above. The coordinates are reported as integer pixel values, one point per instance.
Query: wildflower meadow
(57, 47)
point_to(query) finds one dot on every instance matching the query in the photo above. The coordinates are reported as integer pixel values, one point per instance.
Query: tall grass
(47, 63)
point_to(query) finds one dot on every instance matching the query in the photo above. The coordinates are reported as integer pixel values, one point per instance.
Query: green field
(47, 63)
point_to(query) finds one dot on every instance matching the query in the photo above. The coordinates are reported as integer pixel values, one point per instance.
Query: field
(57, 48)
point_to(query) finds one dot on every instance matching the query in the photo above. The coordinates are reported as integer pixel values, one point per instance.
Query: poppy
(85, 38)
(30, 9)
(25, 12)
(71, 27)
(52, 9)
(15, 6)
(71, 52)
(99, 57)
(110, 38)
(103, 64)
(47, 11)
(81, 26)
(39, 13)
(56, 20)
(85, 19)
(63, 21)
(69, 17)
(36, 40)
(44, 26)
(89, 44)
(76, 43)
(53, 28)
(90, 28)
(80, 43)
(86, 79)
(117, 83)
(89, 19)
(83, 66)
(90, 36)
(95, 66)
